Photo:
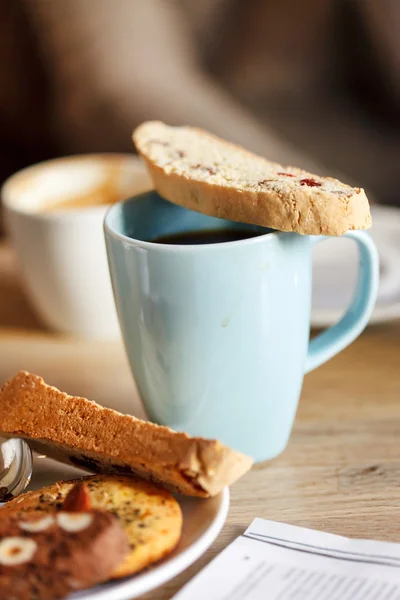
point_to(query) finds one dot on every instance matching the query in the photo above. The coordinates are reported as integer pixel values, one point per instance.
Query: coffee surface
(106, 192)
(215, 236)
(117, 181)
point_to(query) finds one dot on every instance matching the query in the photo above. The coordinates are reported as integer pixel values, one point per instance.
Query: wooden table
(341, 470)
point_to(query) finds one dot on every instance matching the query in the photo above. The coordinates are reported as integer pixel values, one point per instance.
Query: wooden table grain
(341, 470)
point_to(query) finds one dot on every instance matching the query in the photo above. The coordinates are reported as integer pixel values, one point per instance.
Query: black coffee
(216, 236)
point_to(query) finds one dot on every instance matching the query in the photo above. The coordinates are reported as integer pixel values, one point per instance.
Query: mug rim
(10, 205)
(174, 248)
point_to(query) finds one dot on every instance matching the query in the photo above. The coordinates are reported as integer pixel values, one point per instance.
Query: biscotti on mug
(199, 171)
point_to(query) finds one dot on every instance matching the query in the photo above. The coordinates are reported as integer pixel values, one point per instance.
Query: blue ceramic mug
(217, 335)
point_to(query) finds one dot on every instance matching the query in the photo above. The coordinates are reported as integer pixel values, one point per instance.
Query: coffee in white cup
(54, 214)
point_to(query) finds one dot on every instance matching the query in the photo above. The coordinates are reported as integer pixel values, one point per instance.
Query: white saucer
(335, 271)
(202, 522)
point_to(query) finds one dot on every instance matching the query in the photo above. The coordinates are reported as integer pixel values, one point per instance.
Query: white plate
(335, 271)
(202, 522)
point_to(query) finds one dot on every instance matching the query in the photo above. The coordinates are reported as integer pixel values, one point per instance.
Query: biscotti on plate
(80, 432)
(199, 171)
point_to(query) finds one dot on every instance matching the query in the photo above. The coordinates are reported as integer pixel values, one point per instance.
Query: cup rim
(8, 204)
(187, 248)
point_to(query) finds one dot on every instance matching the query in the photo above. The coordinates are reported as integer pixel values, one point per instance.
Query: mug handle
(334, 339)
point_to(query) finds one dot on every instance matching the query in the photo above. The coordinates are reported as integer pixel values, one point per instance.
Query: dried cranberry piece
(310, 182)
(210, 170)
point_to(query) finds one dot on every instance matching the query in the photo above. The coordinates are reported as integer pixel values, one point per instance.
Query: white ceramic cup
(61, 252)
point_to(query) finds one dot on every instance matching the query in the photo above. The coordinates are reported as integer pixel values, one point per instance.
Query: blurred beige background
(314, 83)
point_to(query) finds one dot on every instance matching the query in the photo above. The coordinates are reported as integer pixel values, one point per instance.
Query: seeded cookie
(206, 174)
(48, 556)
(149, 515)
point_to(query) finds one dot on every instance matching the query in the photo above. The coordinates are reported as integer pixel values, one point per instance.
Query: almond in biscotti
(197, 170)
(37, 525)
(16, 550)
(74, 522)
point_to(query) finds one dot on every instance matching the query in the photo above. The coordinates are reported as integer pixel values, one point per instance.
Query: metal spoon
(15, 467)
